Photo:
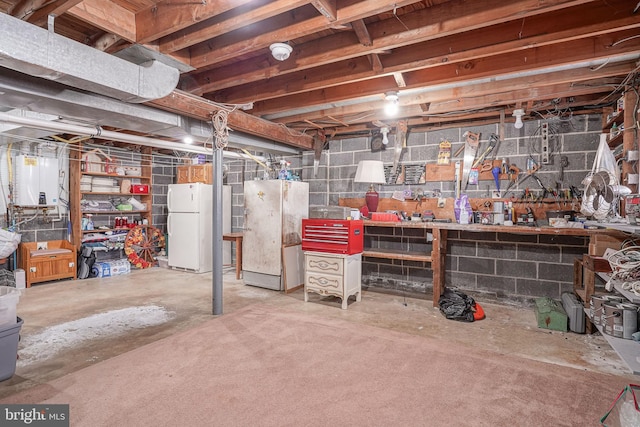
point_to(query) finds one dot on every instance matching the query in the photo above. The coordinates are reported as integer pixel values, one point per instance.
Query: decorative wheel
(142, 244)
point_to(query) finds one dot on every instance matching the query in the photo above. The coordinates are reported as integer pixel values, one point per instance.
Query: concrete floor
(69, 325)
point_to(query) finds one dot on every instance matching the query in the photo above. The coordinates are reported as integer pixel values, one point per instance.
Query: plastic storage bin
(9, 297)
(9, 338)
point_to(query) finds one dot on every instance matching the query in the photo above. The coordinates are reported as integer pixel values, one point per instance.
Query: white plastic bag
(604, 161)
(9, 242)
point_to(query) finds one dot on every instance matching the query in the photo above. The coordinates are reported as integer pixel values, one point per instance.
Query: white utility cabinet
(273, 213)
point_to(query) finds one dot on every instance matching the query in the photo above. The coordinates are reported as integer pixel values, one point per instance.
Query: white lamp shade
(370, 172)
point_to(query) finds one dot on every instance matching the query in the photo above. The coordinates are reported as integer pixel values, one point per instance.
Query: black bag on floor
(457, 305)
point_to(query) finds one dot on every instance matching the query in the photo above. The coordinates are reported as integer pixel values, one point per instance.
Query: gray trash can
(9, 338)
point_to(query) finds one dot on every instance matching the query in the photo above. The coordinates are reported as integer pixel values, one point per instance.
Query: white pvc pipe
(99, 133)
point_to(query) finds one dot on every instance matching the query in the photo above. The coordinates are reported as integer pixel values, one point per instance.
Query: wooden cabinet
(57, 261)
(99, 187)
(333, 274)
(195, 173)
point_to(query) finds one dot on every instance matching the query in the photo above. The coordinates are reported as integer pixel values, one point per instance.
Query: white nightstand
(333, 274)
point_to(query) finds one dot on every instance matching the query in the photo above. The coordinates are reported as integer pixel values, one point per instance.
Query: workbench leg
(438, 255)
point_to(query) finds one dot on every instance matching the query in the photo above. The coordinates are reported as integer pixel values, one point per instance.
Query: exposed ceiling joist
(448, 59)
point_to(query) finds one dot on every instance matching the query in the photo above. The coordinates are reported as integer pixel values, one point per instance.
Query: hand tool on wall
(401, 142)
(457, 179)
(318, 144)
(496, 177)
(493, 143)
(564, 162)
(512, 171)
(472, 140)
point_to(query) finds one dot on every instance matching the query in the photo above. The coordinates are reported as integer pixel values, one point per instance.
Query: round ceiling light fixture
(280, 51)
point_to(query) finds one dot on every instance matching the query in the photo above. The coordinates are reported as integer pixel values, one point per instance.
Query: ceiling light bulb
(188, 140)
(518, 113)
(280, 51)
(384, 131)
(391, 108)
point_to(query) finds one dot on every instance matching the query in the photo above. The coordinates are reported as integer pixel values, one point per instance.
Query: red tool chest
(338, 236)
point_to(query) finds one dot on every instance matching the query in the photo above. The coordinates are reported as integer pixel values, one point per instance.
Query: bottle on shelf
(613, 132)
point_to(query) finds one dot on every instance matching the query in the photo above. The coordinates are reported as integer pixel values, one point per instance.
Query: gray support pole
(217, 232)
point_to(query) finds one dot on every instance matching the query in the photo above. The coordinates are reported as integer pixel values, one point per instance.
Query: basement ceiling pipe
(27, 93)
(99, 133)
(35, 51)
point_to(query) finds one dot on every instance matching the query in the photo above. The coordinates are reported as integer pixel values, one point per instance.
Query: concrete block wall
(475, 261)
(163, 174)
(504, 265)
(239, 171)
(513, 266)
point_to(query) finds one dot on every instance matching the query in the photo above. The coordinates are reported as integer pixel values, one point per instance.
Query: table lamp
(371, 172)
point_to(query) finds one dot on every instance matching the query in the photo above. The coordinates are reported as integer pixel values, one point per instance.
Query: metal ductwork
(32, 97)
(41, 53)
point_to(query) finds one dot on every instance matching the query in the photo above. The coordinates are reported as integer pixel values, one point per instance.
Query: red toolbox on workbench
(338, 236)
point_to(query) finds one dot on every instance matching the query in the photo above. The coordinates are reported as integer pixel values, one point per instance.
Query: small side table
(237, 238)
(333, 274)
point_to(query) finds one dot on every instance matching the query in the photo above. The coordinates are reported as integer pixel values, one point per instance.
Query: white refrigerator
(189, 226)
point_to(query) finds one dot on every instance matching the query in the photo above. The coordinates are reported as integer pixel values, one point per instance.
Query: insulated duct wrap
(41, 53)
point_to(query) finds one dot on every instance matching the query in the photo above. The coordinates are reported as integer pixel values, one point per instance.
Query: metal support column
(217, 232)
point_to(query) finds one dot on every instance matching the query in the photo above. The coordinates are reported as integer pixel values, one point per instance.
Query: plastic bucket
(9, 338)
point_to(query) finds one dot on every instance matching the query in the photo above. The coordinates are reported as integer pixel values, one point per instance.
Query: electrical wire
(625, 267)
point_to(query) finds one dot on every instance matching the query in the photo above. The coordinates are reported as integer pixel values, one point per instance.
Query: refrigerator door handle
(169, 225)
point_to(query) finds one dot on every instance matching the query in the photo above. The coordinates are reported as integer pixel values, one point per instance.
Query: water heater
(36, 181)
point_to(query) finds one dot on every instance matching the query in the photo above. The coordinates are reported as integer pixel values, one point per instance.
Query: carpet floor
(264, 366)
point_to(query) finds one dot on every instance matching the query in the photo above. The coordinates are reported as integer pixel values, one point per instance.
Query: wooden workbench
(439, 231)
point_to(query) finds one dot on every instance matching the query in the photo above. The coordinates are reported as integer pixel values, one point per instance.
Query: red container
(139, 189)
(338, 236)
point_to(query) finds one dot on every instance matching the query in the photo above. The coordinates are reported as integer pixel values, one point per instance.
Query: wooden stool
(237, 238)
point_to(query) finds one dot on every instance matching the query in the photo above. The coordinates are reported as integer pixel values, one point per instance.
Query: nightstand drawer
(332, 274)
(324, 264)
(325, 284)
